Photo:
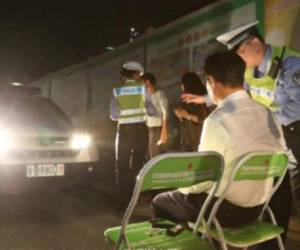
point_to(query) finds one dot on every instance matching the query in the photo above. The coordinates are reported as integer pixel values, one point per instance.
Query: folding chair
(253, 166)
(172, 170)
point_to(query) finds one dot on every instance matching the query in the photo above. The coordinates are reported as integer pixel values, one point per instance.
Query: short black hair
(193, 84)
(150, 77)
(226, 67)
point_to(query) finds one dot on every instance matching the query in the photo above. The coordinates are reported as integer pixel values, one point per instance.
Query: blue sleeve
(287, 93)
(288, 88)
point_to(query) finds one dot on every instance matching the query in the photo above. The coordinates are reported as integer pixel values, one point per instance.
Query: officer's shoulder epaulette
(118, 85)
(291, 62)
(133, 82)
(296, 77)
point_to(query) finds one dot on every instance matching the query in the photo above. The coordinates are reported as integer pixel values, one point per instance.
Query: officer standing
(272, 78)
(128, 108)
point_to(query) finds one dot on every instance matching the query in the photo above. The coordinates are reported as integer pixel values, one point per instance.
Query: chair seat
(143, 236)
(248, 235)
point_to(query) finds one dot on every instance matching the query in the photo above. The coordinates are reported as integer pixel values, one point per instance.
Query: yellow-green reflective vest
(130, 98)
(262, 89)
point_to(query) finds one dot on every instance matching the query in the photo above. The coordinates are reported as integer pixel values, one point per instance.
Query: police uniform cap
(237, 35)
(134, 66)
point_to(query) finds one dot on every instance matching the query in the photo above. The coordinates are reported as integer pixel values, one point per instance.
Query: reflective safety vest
(130, 98)
(262, 89)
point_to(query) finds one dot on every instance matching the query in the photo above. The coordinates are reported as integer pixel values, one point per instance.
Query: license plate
(44, 170)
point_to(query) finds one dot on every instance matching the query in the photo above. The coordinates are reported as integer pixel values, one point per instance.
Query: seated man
(237, 126)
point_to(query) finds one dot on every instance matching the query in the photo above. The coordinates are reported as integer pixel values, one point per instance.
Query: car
(39, 143)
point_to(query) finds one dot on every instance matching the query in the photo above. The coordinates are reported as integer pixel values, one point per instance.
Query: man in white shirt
(237, 126)
(158, 122)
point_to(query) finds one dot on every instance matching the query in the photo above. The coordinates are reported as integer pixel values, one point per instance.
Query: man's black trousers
(131, 147)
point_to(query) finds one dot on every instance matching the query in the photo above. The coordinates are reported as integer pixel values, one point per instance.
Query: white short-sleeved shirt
(239, 125)
(161, 109)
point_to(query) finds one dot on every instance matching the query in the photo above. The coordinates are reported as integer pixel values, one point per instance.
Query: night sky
(40, 37)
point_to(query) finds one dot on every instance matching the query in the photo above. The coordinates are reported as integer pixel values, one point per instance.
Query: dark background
(40, 37)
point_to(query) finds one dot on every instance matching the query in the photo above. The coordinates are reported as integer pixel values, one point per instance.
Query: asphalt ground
(60, 220)
(73, 219)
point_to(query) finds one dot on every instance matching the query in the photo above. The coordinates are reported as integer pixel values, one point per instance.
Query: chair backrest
(255, 166)
(259, 166)
(175, 170)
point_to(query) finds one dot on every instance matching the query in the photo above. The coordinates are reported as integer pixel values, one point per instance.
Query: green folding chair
(253, 166)
(172, 170)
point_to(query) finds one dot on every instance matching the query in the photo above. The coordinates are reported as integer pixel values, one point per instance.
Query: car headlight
(81, 141)
(6, 140)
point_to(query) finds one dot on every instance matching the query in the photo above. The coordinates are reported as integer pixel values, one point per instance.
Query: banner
(182, 47)
(282, 22)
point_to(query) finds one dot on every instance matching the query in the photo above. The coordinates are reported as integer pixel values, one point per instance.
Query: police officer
(128, 108)
(272, 78)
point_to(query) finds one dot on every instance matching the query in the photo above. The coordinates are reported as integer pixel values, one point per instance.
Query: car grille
(39, 154)
(46, 141)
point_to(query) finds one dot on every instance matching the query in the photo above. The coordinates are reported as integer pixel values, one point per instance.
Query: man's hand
(180, 113)
(164, 136)
(190, 98)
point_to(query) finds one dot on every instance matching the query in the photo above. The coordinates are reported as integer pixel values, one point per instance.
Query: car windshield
(33, 111)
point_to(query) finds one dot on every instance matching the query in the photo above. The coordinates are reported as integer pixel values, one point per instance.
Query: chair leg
(234, 248)
(280, 243)
(237, 248)
(221, 235)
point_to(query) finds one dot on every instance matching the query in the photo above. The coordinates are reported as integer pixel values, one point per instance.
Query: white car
(38, 141)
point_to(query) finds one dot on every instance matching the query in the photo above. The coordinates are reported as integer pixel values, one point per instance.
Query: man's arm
(213, 138)
(197, 99)
(164, 105)
(182, 113)
(287, 93)
(164, 132)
